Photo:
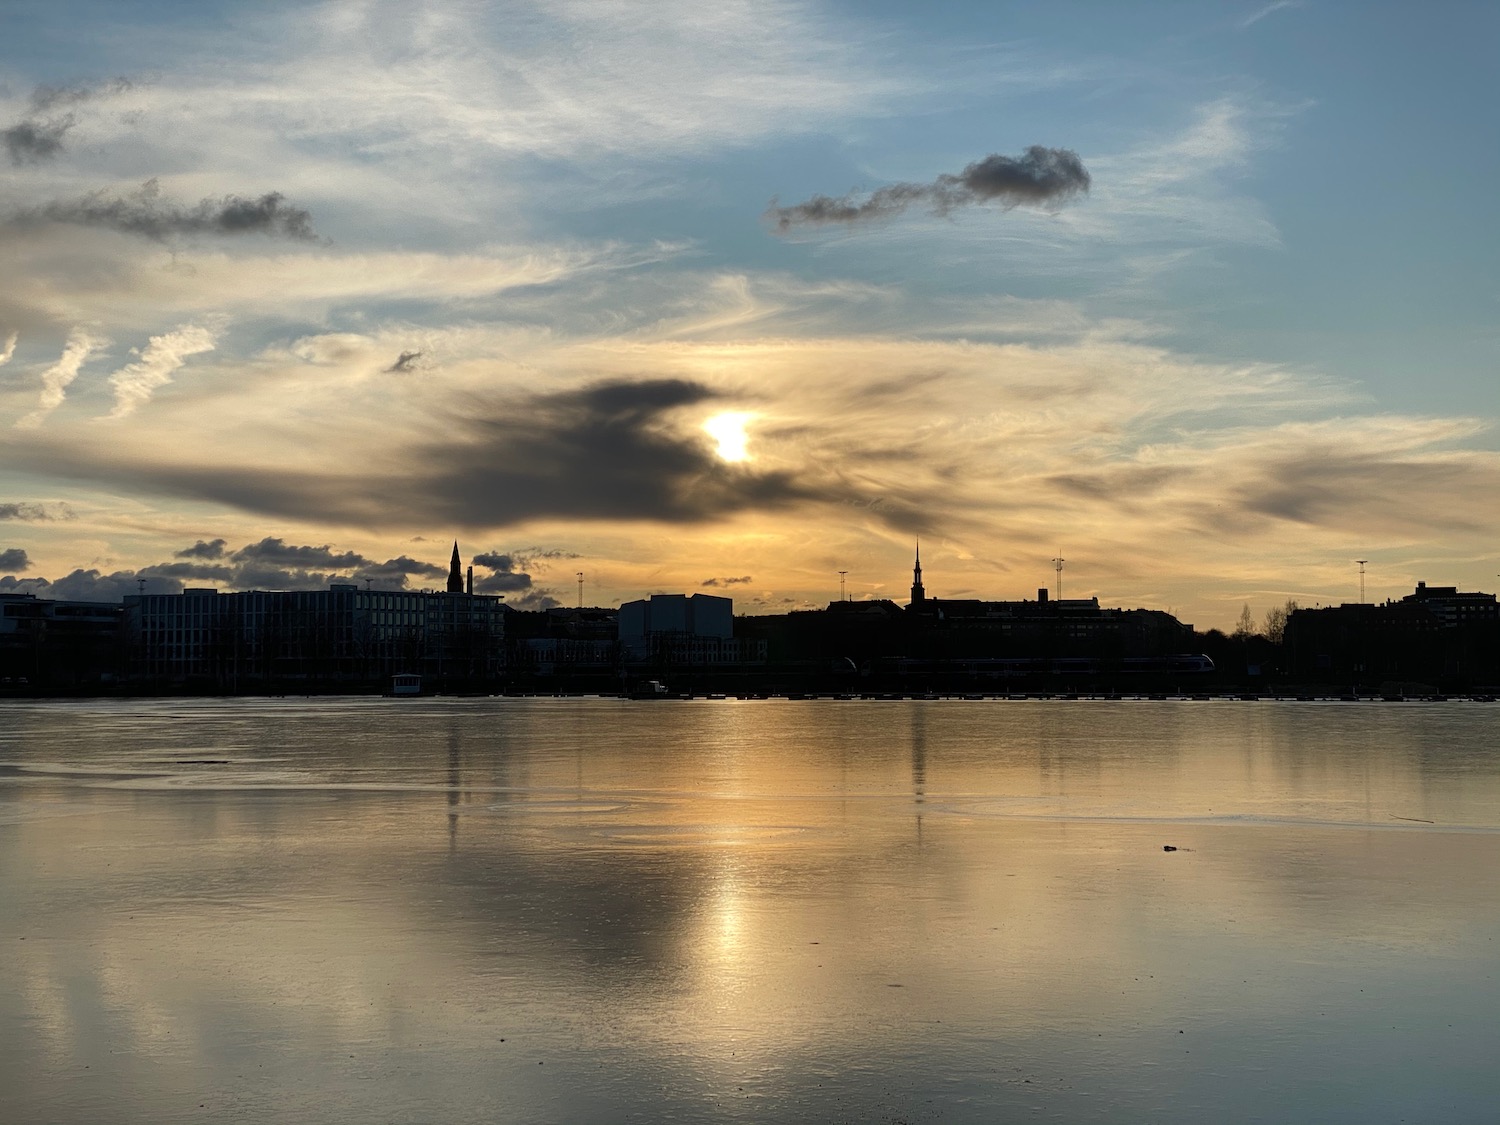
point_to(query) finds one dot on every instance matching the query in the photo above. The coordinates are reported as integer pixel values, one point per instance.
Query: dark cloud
(202, 572)
(13, 560)
(278, 552)
(271, 564)
(45, 98)
(494, 560)
(499, 560)
(398, 570)
(1042, 176)
(501, 582)
(532, 600)
(95, 586)
(614, 450)
(12, 585)
(746, 579)
(404, 361)
(29, 512)
(1338, 488)
(268, 576)
(147, 214)
(506, 574)
(31, 142)
(202, 550)
(604, 451)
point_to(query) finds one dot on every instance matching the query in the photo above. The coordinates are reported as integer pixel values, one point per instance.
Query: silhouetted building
(342, 634)
(1435, 635)
(565, 642)
(676, 630)
(47, 644)
(456, 573)
(971, 638)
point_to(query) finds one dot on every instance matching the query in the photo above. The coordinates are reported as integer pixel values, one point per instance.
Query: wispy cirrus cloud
(135, 383)
(56, 379)
(1269, 9)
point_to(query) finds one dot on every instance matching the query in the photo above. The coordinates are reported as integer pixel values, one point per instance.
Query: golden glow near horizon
(451, 298)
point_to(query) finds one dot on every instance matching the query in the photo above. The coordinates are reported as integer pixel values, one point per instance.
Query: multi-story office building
(676, 630)
(343, 633)
(57, 644)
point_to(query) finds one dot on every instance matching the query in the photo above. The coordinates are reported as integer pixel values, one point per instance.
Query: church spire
(918, 594)
(455, 573)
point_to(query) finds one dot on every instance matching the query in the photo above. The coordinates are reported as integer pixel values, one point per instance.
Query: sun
(728, 429)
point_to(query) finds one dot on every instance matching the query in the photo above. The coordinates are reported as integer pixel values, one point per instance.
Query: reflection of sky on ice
(754, 911)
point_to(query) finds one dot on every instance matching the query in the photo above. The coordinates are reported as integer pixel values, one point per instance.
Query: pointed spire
(455, 573)
(918, 593)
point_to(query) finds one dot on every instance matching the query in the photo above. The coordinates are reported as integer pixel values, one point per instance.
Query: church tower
(918, 594)
(455, 573)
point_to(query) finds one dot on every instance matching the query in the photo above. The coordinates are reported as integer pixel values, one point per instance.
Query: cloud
(727, 581)
(206, 572)
(12, 585)
(532, 601)
(135, 383)
(55, 379)
(1261, 13)
(31, 142)
(607, 450)
(398, 570)
(8, 349)
(510, 576)
(281, 553)
(30, 512)
(45, 98)
(1042, 176)
(95, 586)
(528, 558)
(505, 577)
(213, 549)
(147, 214)
(501, 582)
(404, 361)
(271, 564)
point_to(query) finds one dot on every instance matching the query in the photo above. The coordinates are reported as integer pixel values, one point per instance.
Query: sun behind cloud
(728, 429)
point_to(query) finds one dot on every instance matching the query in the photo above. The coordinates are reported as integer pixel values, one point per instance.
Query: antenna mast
(841, 584)
(1361, 579)
(580, 588)
(1057, 565)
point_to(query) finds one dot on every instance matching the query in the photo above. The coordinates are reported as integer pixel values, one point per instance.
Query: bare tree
(1244, 628)
(1276, 618)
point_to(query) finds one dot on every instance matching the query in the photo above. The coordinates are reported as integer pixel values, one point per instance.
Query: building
(675, 630)
(564, 643)
(966, 628)
(1436, 635)
(343, 634)
(58, 644)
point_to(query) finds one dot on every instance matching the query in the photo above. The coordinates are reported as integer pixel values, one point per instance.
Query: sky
(1201, 298)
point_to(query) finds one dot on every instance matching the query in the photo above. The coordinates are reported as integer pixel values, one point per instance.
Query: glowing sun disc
(728, 430)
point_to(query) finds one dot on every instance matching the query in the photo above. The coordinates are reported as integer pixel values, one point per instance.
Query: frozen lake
(537, 910)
